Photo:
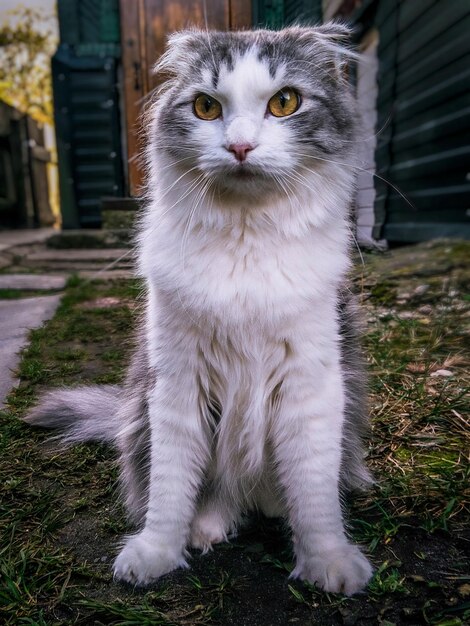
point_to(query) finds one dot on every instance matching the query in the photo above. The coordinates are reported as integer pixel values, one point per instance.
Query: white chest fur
(244, 271)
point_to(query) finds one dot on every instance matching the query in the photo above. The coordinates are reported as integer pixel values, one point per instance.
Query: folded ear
(331, 39)
(335, 32)
(179, 47)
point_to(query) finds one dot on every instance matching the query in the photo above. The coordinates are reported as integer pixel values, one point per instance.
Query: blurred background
(75, 73)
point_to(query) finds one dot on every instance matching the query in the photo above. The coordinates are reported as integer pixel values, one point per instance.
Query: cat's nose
(240, 150)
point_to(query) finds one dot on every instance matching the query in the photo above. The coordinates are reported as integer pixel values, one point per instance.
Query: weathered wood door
(145, 25)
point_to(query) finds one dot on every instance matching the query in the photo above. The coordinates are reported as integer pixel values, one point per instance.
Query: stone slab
(74, 267)
(32, 281)
(85, 238)
(99, 254)
(5, 261)
(12, 238)
(17, 318)
(106, 274)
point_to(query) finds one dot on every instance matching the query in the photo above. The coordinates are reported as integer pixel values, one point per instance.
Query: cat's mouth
(245, 171)
(244, 179)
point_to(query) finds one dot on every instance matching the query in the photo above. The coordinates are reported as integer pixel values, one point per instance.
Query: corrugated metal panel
(424, 81)
(423, 108)
(88, 135)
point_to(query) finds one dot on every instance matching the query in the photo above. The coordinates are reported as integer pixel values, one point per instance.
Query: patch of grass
(119, 613)
(419, 416)
(383, 292)
(387, 580)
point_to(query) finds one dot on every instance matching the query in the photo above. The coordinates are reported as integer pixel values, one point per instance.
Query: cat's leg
(307, 438)
(178, 456)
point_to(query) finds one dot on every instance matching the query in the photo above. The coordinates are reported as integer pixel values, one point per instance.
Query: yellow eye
(284, 102)
(207, 108)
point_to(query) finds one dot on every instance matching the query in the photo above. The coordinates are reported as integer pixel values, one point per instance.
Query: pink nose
(240, 150)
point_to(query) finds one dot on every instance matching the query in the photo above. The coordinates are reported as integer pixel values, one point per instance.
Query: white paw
(208, 527)
(141, 561)
(344, 570)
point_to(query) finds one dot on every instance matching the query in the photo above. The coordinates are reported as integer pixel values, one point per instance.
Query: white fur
(242, 307)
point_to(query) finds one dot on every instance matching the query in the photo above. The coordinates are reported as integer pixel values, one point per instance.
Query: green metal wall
(423, 148)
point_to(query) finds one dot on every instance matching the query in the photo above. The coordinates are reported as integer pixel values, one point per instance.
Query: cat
(247, 388)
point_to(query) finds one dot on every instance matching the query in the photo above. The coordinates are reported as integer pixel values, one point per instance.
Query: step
(12, 238)
(98, 254)
(107, 274)
(35, 282)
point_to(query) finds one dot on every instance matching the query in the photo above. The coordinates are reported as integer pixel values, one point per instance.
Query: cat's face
(254, 111)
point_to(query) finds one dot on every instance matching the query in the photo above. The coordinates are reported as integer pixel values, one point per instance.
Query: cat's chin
(244, 184)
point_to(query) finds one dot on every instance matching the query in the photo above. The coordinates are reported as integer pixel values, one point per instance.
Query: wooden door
(145, 24)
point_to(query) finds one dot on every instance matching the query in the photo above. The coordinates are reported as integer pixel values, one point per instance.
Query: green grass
(61, 518)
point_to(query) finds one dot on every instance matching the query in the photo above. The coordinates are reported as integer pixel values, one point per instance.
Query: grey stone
(5, 261)
(31, 281)
(420, 290)
(12, 238)
(17, 317)
(106, 274)
(99, 254)
(73, 267)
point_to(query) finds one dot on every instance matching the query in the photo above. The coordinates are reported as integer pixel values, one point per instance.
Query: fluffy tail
(80, 414)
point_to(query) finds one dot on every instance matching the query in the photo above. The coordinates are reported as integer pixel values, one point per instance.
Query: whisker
(205, 184)
(361, 169)
(168, 189)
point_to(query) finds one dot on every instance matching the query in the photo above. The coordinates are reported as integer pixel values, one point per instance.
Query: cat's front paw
(142, 561)
(344, 570)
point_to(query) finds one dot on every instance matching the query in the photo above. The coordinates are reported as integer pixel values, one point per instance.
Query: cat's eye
(207, 108)
(285, 102)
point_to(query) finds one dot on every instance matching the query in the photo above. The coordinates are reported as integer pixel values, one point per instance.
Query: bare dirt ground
(61, 520)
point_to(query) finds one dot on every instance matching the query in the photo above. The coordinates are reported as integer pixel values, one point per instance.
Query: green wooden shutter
(88, 135)
(302, 11)
(279, 13)
(268, 13)
(88, 21)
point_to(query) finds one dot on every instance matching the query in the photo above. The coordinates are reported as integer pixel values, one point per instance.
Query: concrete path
(23, 254)
(17, 317)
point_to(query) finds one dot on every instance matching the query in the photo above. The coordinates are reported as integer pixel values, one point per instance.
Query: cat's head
(253, 111)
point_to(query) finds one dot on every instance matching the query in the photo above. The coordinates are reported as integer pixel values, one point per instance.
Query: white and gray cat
(246, 390)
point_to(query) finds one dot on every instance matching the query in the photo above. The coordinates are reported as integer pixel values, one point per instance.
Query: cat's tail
(89, 413)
